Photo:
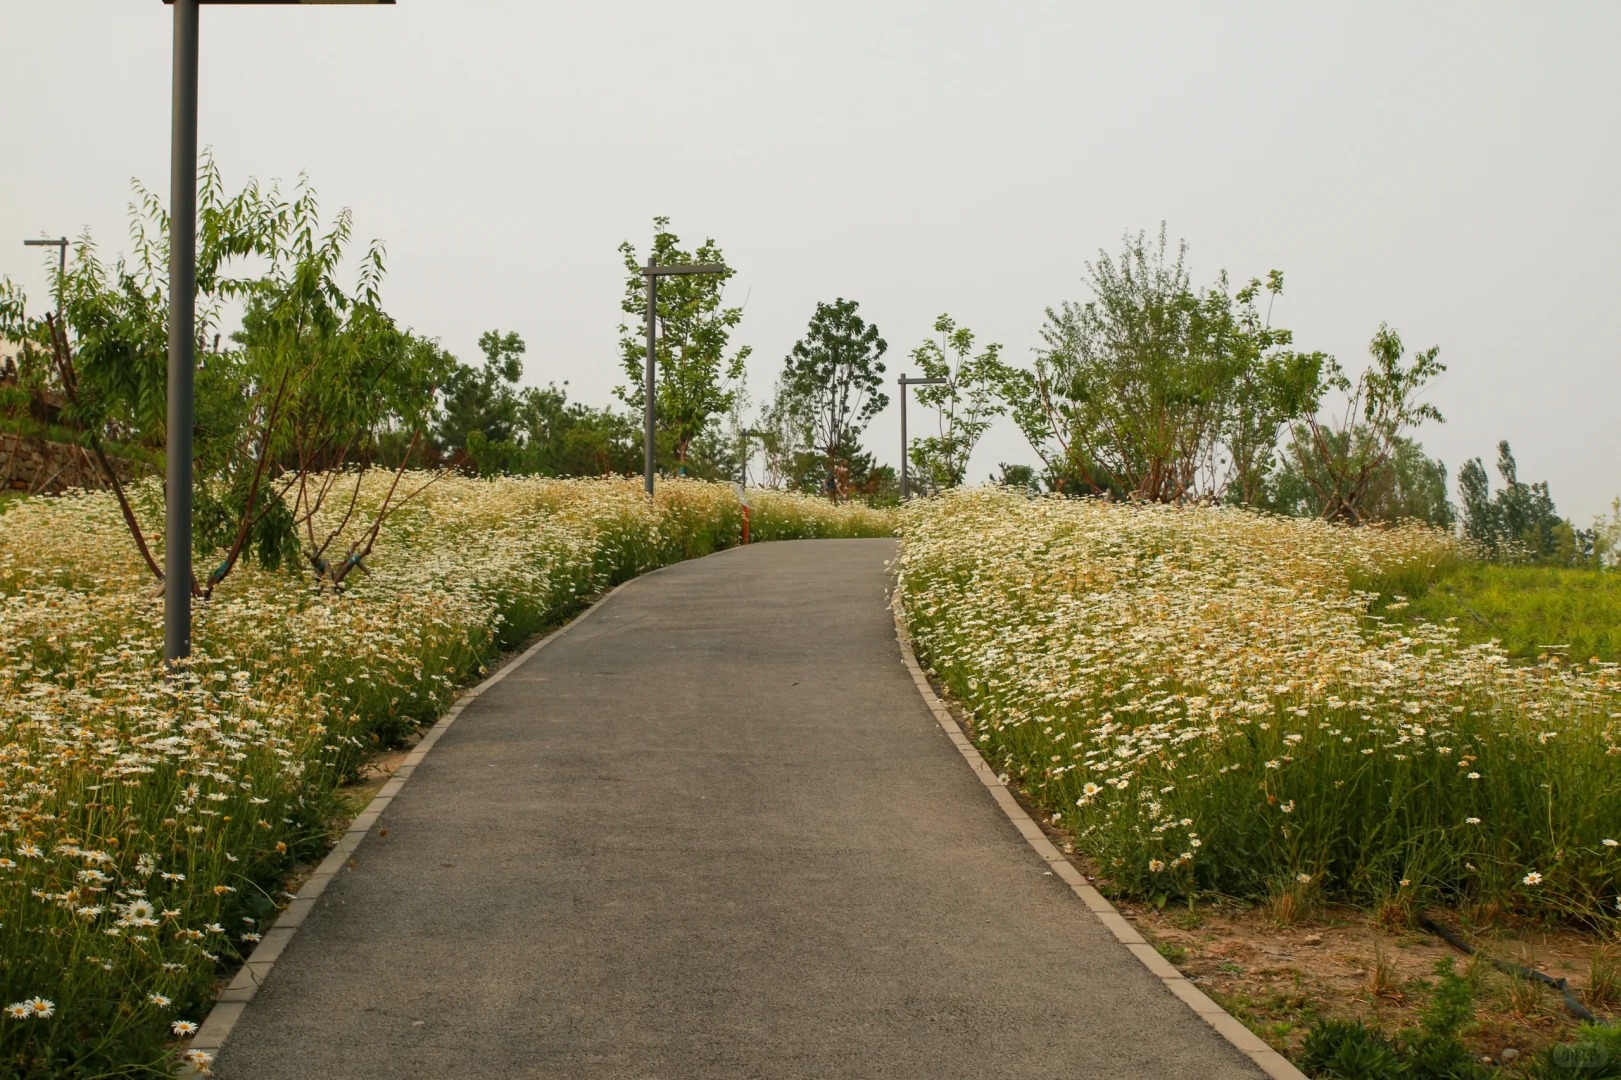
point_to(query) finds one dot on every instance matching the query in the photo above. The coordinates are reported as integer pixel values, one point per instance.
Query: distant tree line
(1153, 388)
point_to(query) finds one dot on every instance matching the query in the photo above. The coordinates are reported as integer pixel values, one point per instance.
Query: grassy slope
(1529, 610)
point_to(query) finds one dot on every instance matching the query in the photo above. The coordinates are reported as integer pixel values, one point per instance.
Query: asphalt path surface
(711, 831)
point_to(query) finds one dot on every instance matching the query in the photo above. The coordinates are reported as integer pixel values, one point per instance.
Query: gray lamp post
(182, 321)
(905, 381)
(652, 272)
(61, 265)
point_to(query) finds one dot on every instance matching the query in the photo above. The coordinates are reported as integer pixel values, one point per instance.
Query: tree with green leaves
(1519, 520)
(695, 374)
(483, 399)
(1409, 486)
(495, 427)
(1157, 390)
(833, 376)
(1344, 457)
(317, 375)
(965, 403)
(1272, 386)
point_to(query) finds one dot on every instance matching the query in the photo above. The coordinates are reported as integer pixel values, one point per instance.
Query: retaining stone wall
(39, 467)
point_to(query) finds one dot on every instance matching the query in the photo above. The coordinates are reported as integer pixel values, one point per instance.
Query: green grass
(1530, 611)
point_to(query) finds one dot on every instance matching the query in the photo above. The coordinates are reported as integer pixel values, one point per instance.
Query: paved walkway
(712, 831)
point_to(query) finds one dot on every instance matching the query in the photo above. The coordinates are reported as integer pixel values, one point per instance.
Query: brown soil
(1340, 963)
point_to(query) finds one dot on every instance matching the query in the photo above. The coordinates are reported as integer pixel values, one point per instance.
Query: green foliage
(1022, 477)
(493, 427)
(830, 386)
(1607, 536)
(1530, 611)
(316, 375)
(219, 507)
(785, 435)
(966, 402)
(483, 400)
(1408, 485)
(1344, 460)
(1433, 1050)
(695, 372)
(1519, 522)
(1141, 389)
(1352, 1050)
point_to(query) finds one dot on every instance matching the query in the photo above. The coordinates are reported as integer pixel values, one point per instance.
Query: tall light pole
(652, 271)
(61, 266)
(905, 381)
(182, 322)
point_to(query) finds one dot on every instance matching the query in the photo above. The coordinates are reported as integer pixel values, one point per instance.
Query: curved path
(712, 831)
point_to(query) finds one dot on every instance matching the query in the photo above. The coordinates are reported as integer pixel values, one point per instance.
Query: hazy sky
(1451, 168)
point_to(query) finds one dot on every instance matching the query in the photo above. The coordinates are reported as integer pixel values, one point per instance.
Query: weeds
(1351, 1050)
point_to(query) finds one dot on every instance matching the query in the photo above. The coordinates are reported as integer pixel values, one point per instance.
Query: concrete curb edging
(228, 1008)
(1268, 1060)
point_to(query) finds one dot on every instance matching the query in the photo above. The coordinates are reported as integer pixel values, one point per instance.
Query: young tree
(1410, 485)
(316, 375)
(834, 375)
(1272, 386)
(1138, 390)
(1021, 477)
(1342, 459)
(966, 402)
(694, 371)
(1607, 536)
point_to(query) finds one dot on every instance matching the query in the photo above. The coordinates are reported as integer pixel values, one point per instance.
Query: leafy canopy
(696, 375)
(832, 379)
(966, 402)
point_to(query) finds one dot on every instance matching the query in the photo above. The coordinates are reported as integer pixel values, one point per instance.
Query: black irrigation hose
(1577, 1009)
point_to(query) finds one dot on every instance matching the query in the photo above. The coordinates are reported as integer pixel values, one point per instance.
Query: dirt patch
(1280, 979)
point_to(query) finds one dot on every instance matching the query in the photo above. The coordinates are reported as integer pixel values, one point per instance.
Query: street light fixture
(61, 246)
(182, 321)
(652, 272)
(905, 381)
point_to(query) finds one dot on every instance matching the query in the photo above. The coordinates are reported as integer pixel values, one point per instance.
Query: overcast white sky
(1451, 168)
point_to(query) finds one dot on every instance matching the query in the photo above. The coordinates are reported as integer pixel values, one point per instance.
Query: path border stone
(228, 1008)
(1268, 1060)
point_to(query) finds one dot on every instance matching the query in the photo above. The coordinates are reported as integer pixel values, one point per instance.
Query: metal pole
(182, 334)
(647, 393)
(61, 247)
(902, 381)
